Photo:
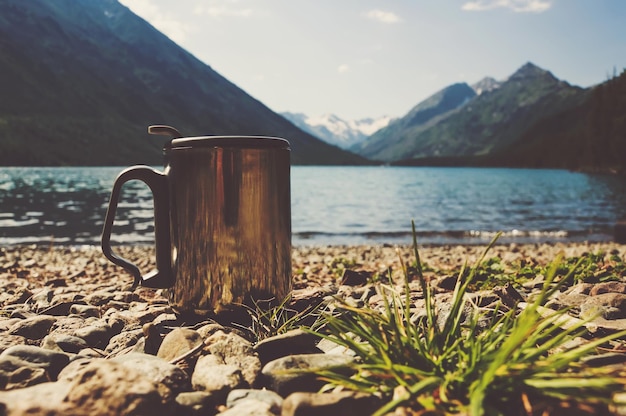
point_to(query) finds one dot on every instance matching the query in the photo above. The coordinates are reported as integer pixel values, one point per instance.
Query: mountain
(486, 84)
(337, 131)
(588, 136)
(82, 80)
(485, 124)
(396, 141)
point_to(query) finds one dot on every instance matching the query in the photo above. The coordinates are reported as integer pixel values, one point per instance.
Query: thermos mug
(222, 214)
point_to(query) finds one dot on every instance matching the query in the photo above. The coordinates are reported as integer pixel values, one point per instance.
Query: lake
(338, 205)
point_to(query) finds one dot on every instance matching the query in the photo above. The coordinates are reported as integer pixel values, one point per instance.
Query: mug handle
(157, 182)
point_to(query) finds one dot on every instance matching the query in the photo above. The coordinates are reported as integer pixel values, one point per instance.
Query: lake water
(338, 205)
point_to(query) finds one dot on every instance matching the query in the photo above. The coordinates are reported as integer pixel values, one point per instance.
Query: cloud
(383, 16)
(222, 11)
(343, 68)
(223, 8)
(172, 28)
(518, 6)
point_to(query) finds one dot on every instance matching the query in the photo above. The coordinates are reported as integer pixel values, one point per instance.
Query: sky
(370, 58)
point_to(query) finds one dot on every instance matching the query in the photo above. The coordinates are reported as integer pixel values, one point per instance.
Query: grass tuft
(452, 363)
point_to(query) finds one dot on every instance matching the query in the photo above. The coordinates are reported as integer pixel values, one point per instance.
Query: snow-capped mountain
(337, 131)
(485, 85)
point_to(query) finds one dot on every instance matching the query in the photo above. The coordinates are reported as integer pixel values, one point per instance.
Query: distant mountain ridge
(531, 119)
(486, 84)
(457, 121)
(395, 141)
(86, 78)
(337, 131)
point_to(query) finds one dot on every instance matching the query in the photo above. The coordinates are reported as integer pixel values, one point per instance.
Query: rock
(42, 399)
(209, 329)
(7, 323)
(235, 350)
(86, 311)
(106, 388)
(151, 338)
(99, 298)
(329, 347)
(26, 365)
(63, 343)
(123, 341)
(157, 370)
(7, 341)
(355, 277)
(294, 373)
(178, 342)
(147, 314)
(273, 401)
(75, 368)
(196, 403)
(67, 325)
(250, 408)
(342, 403)
(215, 378)
(604, 301)
(42, 299)
(97, 333)
(295, 341)
(58, 308)
(608, 287)
(34, 328)
(13, 297)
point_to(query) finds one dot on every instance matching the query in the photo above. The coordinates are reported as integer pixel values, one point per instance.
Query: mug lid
(255, 142)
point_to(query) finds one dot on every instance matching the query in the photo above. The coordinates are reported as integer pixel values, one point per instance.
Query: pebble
(75, 340)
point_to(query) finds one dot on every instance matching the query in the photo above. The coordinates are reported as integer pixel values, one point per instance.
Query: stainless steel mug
(222, 214)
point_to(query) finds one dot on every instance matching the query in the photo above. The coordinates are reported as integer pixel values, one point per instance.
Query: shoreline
(311, 265)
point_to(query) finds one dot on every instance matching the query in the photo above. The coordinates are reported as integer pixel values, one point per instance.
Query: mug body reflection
(230, 225)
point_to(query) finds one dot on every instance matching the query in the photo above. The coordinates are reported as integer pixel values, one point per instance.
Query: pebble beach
(77, 340)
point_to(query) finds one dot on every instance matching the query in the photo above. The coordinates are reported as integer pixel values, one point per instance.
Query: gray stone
(207, 330)
(294, 373)
(86, 311)
(7, 341)
(97, 334)
(63, 343)
(196, 403)
(123, 341)
(342, 403)
(34, 328)
(41, 399)
(178, 342)
(272, 399)
(109, 388)
(149, 314)
(250, 408)
(67, 325)
(218, 379)
(42, 299)
(7, 323)
(608, 287)
(295, 341)
(75, 368)
(235, 350)
(17, 296)
(99, 298)
(608, 300)
(25, 365)
(156, 369)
